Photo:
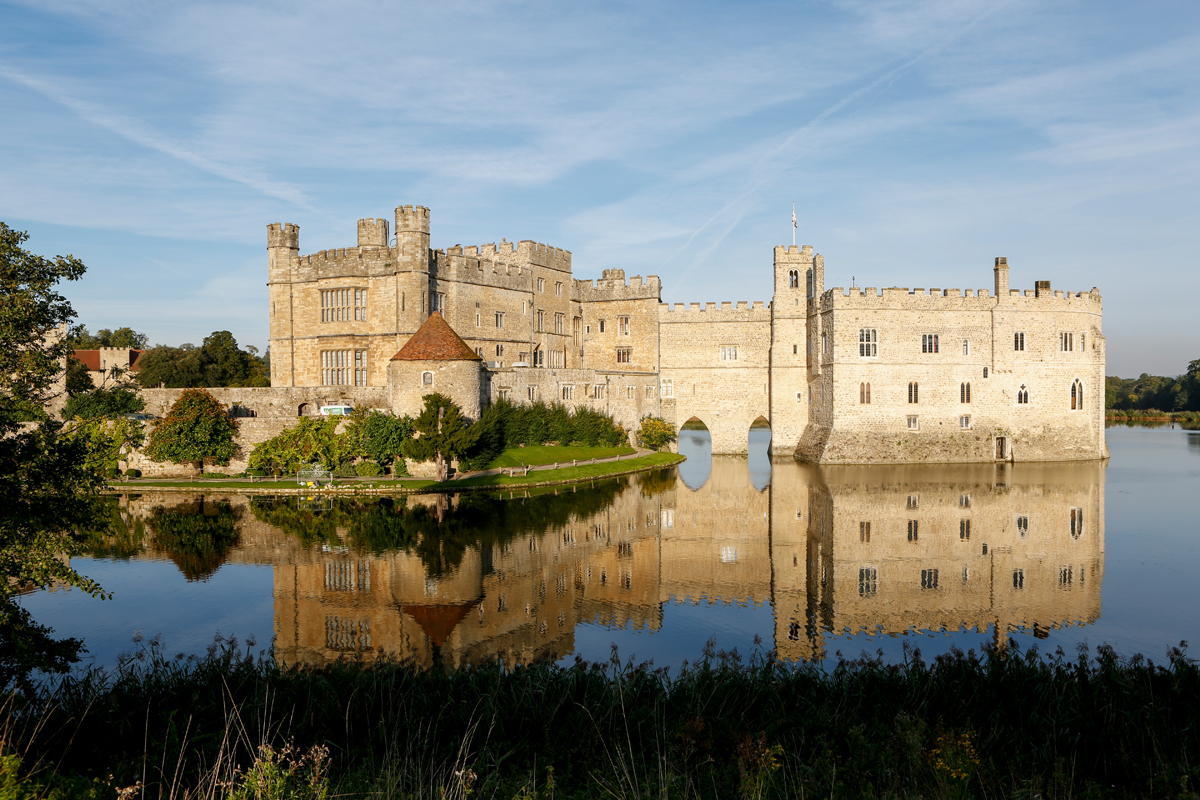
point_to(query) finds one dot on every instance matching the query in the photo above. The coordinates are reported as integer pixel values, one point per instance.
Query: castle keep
(841, 375)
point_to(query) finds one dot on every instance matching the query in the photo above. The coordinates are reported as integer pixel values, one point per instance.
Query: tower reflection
(835, 550)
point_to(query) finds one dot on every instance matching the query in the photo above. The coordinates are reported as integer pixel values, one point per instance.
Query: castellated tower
(789, 362)
(373, 233)
(412, 265)
(283, 249)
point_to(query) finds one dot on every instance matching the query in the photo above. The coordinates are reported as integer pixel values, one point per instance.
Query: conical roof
(435, 341)
(438, 622)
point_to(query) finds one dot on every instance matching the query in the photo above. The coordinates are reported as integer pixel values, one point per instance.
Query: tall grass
(993, 724)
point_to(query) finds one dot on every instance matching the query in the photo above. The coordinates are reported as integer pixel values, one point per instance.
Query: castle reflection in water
(834, 550)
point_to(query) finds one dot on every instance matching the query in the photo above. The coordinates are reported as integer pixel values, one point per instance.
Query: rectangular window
(966, 347)
(913, 529)
(728, 352)
(601, 324)
(598, 391)
(624, 355)
(929, 579)
(1066, 341)
(1076, 523)
(964, 422)
(1018, 579)
(344, 367)
(668, 388)
(344, 305)
(929, 342)
(499, 319)
(558, 359)
(559, 319)
(1019, 340)
(867, 581)
(439, 303)
(911, 421)
(964, 529)
(868, 342)
(541, 320)
(914, 501)
(558, 288)
(531, 392)
(1022, 525)
(629, 392)
(541, 284)
(914, 392)
(568, 392)
(1066, 576)
(622, 326)
(649, 392)
(499, 351)
(576, 331)
(478, 320)
(864, 532)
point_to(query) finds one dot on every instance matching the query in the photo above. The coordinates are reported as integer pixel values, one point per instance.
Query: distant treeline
(215, 363)
(1155, 392)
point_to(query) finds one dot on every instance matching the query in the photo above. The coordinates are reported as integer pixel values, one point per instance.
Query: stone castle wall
(797, 363)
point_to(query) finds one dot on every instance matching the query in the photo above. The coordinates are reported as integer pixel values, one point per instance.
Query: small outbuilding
(435, 359)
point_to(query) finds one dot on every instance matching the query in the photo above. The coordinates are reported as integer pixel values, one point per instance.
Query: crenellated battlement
(904, 298)
(614, 286)
(543, 255)
(373, 233)
(741, 311)
(794, 253)
(283, 234)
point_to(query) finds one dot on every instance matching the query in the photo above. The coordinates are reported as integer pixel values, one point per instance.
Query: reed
(998, 723)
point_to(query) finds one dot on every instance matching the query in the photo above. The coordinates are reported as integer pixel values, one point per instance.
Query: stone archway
(695, 442)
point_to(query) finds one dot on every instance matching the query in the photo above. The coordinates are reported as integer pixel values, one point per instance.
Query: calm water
(809, 561)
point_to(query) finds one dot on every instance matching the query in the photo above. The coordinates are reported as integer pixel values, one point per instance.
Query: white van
(336, 411)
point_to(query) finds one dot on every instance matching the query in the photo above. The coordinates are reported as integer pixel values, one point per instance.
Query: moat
(747, 552)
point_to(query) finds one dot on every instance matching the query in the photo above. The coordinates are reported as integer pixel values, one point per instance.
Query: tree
(655, 432)
(378, 436)
(218, 362)
(48, 496)
(195, 428)
(101, 403)
(81, 339)
(442, 434)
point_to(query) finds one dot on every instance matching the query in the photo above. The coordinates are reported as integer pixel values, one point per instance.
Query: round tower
(412, 236)
(283, 244)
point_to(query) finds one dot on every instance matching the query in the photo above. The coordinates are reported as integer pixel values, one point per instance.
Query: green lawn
(545, 454)
(572, 473)
(209, 484)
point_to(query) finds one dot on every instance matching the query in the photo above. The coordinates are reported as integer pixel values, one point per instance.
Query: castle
(854, 375)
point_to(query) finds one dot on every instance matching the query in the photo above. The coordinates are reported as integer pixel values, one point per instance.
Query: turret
(1001, 277)
(412, 236)
(372, 233)
(283, 244)
(791, 267)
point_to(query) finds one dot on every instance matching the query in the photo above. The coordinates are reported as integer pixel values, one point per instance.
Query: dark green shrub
(256, 473)
(133, 473)
(368, 469)
(112, 472)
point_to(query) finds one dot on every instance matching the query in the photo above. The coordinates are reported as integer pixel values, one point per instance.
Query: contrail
(887, 77)
(135, 132)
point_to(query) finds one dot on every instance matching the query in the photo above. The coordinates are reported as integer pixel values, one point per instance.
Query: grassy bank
(410, 485)
(1153, 415)
(997, 725)
(552, 454)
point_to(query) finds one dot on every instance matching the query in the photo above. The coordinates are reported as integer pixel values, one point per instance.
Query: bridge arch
(695, 442)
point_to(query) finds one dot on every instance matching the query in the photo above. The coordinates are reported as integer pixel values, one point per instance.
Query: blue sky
(918, 140)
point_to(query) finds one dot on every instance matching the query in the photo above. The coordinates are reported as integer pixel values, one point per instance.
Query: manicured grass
(282, 483)
(547, 454)
(572, 473)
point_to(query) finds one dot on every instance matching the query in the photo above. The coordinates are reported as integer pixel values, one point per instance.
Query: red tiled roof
(438, 622)
(435, 341)
(134, 357)
(89, 358)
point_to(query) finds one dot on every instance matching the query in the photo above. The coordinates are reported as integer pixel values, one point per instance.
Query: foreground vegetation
(998, 724)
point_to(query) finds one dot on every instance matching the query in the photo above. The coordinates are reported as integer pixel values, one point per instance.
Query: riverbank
(552, 474)
(998, 724)
(1151, 415)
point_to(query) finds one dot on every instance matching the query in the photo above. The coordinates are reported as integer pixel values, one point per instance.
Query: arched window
(427, 379)
(913, 392)
(864, 393)
(964, 393)
(1076, 396)
(793, 279)
(1023, 395)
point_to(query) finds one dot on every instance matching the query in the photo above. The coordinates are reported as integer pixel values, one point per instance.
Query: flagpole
(793, 223)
